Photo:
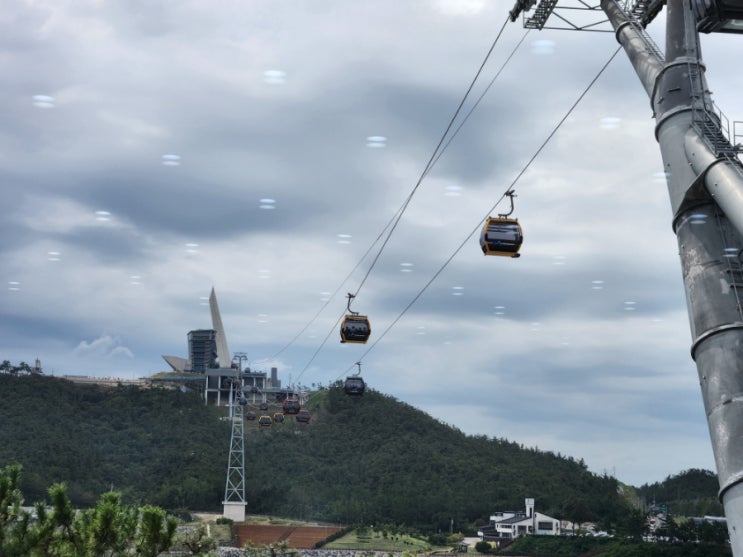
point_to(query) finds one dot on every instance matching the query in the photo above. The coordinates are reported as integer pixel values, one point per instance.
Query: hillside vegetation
(372, 460)
(377, 460)
(689, 493)
(154, 446)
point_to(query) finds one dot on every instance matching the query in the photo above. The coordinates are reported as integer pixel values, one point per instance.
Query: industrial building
(210, 366)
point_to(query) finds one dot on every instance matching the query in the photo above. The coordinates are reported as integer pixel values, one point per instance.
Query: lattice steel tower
(234, 491)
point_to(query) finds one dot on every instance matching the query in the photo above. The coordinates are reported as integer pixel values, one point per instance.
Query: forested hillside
(378, 460)
(369, 460)
(690, 493)
(155, 446)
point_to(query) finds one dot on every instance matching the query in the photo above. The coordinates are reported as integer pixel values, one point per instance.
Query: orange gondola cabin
(355, 328)
(501, 236)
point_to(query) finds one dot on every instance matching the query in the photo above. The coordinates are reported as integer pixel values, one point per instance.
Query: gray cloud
(579, 347)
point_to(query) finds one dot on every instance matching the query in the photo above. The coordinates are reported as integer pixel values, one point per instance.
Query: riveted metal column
(714, 284)
(706, 195)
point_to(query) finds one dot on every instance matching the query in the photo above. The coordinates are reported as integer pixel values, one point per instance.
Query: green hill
(155, 446)
(378, 460)
(690, 493)
(371, 460)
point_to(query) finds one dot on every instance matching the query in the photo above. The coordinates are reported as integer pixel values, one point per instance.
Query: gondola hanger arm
(348, 306)
(510, 194)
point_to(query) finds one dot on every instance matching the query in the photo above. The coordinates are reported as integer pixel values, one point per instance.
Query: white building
(509, 525)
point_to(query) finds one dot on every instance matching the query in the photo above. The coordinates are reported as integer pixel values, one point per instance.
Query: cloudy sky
(151, 150)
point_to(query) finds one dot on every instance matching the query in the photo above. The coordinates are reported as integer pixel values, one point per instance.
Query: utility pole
(705, 186)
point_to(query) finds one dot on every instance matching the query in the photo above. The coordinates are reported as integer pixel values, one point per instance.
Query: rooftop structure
(223, 353)
(202, 350)
(207, 348)
(209, 356)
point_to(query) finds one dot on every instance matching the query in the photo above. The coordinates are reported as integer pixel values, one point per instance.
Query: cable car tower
(704, 175)
(234, 491)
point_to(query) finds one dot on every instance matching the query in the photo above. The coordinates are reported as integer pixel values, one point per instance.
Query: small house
(506, 526)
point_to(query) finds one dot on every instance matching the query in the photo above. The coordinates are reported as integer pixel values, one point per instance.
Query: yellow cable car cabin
(355, 328)
(265, 421)
(501, 236)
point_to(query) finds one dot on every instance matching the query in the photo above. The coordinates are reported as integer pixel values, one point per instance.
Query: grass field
(220, 532)
(372, 540)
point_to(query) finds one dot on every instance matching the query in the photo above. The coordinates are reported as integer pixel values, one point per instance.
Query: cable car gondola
(355, 328)
(303, 417)
(278, 418)
(354, 385)
(265, 421)
(291, 406)
(502, 235)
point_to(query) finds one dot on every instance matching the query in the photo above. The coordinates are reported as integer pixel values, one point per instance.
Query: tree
(713, 532)
(23, 366)
(483, 547)
(682, 531)
(633, 524)
(10, 506)
(109, 529)
(155, 531)
(196, 540)
(577, 511)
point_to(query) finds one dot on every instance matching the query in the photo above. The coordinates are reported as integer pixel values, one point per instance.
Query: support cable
(322, 344)
(335, 292)
(477, 102)
(438, 151)
(479, 226)
(467, 239)
(430, 162)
